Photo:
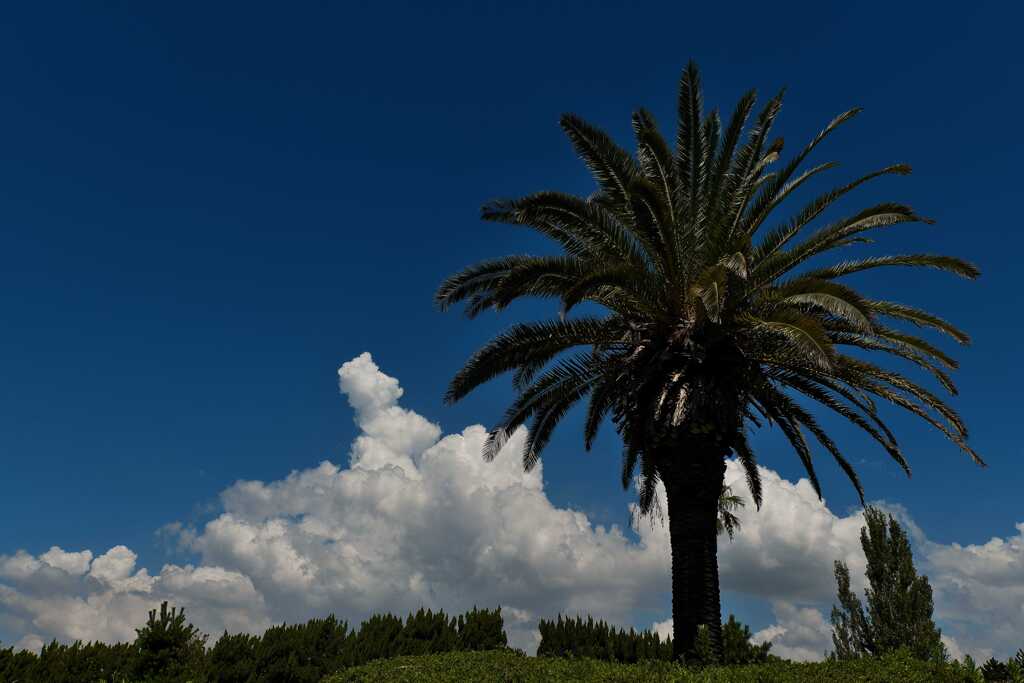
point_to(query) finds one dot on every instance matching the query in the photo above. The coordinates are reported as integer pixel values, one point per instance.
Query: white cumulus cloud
(417, 518)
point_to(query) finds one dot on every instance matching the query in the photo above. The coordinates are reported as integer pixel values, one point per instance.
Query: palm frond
(525, 343)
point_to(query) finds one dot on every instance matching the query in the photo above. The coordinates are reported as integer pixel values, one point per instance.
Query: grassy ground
(508, 666)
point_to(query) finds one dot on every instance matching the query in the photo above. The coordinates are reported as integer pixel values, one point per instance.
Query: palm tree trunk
(692, 490)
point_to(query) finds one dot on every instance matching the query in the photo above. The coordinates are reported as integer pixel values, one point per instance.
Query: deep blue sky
(205, 209)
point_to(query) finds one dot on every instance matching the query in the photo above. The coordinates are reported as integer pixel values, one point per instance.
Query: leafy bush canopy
(581, 638)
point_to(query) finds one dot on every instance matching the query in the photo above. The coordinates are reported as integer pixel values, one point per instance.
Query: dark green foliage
(1015, 665)
(61, 663)
(501, 666)
(994, 670)
(575, 637)
(377, 639)
(482, 629)
(428, 633)
(301, 653)
(899, 602)
(168, 648)
(704, 653)
(736, 645)
(17, 666)
(232, 659)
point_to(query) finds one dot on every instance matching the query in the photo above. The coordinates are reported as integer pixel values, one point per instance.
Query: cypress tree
(899, 602)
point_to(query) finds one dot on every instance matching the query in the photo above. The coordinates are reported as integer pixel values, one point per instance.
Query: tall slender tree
(710, 319)
(899, 602)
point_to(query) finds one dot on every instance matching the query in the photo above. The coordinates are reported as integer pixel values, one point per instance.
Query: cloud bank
(418, 519)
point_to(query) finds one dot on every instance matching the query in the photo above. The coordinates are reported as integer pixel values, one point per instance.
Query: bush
(577, 638)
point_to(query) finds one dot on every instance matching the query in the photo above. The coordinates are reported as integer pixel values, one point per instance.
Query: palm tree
(709, 320)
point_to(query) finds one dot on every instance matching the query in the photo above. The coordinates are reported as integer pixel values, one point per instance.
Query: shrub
(456, 667)
(565, 637)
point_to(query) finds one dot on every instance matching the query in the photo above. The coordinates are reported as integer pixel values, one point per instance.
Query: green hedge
(576, 637)
(509, 666)
(579, 638)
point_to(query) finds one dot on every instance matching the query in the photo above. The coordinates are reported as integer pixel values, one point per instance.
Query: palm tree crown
(712, 318)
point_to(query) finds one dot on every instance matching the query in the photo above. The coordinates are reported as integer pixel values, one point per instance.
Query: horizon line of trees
(170, 649)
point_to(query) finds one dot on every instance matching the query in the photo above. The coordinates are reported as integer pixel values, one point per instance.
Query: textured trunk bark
(692, 490)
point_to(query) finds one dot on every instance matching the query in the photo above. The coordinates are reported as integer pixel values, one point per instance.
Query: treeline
(169, 649)
(575, 637)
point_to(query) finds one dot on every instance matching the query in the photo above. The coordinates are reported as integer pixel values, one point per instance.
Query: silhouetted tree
(168, 648)
(996, 671)
(705, 322)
